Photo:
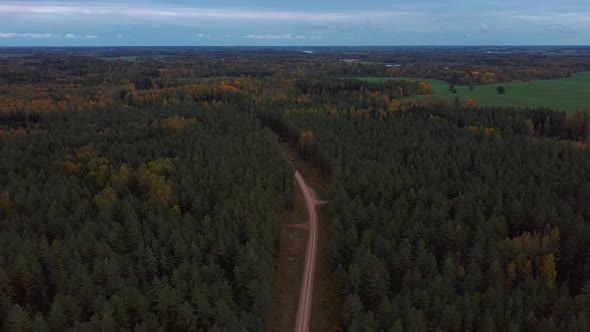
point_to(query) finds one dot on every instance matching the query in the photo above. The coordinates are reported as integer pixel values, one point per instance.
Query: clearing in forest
(565, 94)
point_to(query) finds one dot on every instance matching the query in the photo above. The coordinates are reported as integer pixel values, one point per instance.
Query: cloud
(176, 14)
(9, 35)
(388, 22)
(563, 29)
(269, 37)
(434, 14)
(73, 36)
(285, 36)
(26, 35)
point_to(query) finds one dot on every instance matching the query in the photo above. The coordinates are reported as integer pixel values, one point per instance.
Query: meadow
(567, 94)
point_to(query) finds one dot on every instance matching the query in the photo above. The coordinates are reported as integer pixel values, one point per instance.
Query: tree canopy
(142, 219)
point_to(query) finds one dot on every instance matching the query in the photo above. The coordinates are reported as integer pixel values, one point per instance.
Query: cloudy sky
(294, 22)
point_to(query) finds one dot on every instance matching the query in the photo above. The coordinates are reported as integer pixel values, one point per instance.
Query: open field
(567, 94)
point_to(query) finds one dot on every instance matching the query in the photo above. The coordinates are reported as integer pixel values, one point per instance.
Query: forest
(128, 220)
(451, 218)
(141, 189)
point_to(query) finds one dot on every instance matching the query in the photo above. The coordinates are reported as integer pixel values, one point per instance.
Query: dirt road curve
(306, 295)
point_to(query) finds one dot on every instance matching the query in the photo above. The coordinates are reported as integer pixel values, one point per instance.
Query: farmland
(567, 94)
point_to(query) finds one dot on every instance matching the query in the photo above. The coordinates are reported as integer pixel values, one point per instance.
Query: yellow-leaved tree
(5, 204)
(548, 271)
(305, 139)
(425, 88)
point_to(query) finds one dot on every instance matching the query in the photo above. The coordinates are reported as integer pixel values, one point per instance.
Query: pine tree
(352, 309)
(57, 320)
(18, 320)
(39, 324)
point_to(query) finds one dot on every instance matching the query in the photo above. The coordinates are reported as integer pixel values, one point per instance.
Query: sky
(293, 23)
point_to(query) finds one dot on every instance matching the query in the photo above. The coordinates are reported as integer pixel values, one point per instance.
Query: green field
(567, 94)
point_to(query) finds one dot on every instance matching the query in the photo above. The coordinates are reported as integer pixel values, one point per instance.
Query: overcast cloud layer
(319, 22)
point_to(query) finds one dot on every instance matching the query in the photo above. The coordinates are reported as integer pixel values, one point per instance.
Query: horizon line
(301, 46)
